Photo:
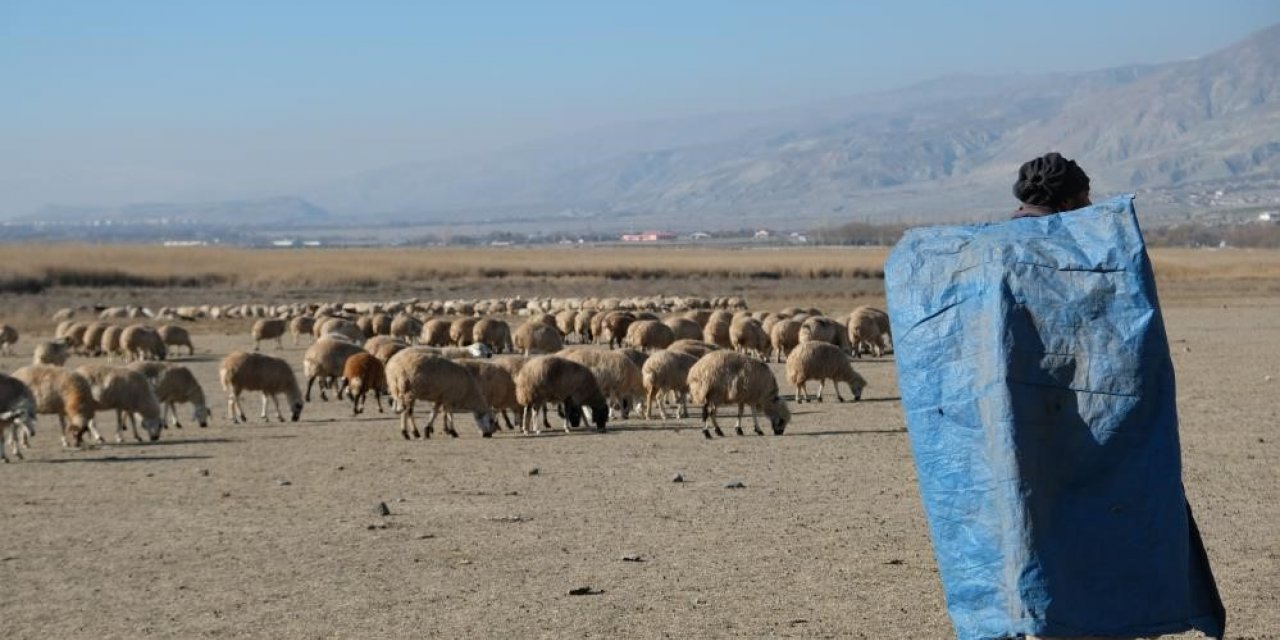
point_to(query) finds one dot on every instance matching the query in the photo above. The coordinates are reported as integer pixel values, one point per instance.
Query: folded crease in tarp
(1039, 396)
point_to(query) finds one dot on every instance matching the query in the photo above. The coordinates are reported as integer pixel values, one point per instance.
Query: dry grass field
(268, 530)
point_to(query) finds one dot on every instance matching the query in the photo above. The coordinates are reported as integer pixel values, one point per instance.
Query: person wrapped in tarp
(1039, 397)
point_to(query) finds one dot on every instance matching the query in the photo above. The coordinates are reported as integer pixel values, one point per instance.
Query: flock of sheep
(660, 353)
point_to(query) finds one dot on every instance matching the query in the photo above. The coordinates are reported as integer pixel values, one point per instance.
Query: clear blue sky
(112, 101)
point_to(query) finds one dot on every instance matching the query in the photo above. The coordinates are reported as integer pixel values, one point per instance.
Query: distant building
(648, 236)
(699, 235)
(763, 234)
(1269, 216)
(185, 243)
(284, 244)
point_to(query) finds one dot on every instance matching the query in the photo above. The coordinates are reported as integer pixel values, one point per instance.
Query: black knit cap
(1050, 181)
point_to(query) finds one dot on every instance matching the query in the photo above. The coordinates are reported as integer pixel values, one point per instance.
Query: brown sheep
(615, 326)
(129, 394)
(93, 338)
(498, 385)
(435, 333)
(618, 377)
(177, 385)
(65, 394)
(729, 377)
(405, 327)
(822, 361)
(110, 343)
(582, 324)
(824, 329)
(552, 379)
(695, 348)
(140, 342)
(362, 373)
(324, 361)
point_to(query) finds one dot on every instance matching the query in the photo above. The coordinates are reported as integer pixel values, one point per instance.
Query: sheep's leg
(835, 384)
(648, 405)
(755, 421)
(280, 343)
(310, 381)
(4, 446)
(119, 428)
(525, 418)
(507, 419)
(822, 386)
(275, 400)
(802, 391)
(93, 430)
(709, 413)
(737, 426)
(256, 344)
(684, 405)
(377, 395)
(133, 423)
(448, 424)
(62, 423)
(435, 413)
(546, 423)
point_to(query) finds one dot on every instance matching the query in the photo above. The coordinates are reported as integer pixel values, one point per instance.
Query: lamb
(17, 416)
(435, 333)
(717, 332)
(618, 377)
(324, 360)
(537, 337)
(65, 394)
(415, 374)
(729, 377)
(141, 342)
(684, 328)
(747, 336)
(460, 332)
(493, 333)
(8, 337)
(269, 329)
(129, 394)
(822, 361)
(177, 385)
(558, 380)
(243, 371)
(666, 371)
(649, 335)
(784, 336)
(498, 385)
(111, 344)
(54, 352)
(869, 328)
(405, 327)
(176, 336)
(301, 325)
(362, 373)
(695, 348)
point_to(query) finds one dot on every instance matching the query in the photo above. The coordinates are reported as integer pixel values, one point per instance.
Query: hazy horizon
(149, 101)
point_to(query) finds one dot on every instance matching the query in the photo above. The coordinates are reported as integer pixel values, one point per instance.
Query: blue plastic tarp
(1039, 397)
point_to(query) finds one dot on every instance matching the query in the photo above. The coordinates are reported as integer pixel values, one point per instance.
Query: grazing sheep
(380, 325)
(93, 338)
(717, 332)
(242, 371)
(822, 361)
(567, 323)
(747, 336)
(729, 377)
(557, 380)
(362, 373)
(493, 333)
(618, 377)
(498, 386)
(129, 394)
(435, 333)
(344, 327)
(784, 336)
(582, 324)
(177, 385)
(269, 329)
(150, 369)
(869, 329)
(695, 348)
(666, 371)
(74, 336)
(8, 337)
(300, 326)
(684, 328)
(324, 360)
(405, 327)
(595, 326)
(140, 342)
(415, 374)
(175, 336)
(65, 394)
(649, 335)
(615, 326)
(823, 329)
(111, 343)
(460, 332)
(54, 352)
(537, 337)
(17, 415)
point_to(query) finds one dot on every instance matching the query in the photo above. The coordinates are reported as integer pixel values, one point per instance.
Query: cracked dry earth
(273, 530)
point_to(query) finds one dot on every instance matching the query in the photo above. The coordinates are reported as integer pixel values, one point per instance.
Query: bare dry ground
(268, 529)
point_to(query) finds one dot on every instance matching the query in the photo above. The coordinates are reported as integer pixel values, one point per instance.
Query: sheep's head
(297, 410)
(779, 414)
(152, 426)
(484, 420)
(573, 413)
(600, 414)
(201, 415)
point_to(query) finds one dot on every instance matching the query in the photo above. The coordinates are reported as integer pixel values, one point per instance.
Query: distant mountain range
(1193, 136)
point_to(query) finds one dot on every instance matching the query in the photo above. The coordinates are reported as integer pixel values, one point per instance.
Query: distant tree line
(1245, 236)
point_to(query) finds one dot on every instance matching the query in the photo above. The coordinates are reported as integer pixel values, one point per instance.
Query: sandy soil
(269, 530)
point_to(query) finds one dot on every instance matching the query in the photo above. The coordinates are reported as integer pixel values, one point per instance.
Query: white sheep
(65, 394)
(415, 374)
(17, 416)
(552, 379)
(242, 371)
(822, 361)
(729, 377)
(667, 372)
(177, 385)
(129, 394)
(54, 352)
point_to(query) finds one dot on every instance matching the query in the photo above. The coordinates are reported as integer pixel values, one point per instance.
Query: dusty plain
(268, 530)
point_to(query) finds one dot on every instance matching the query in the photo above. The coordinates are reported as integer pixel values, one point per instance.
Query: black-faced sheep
(556, 380)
